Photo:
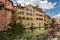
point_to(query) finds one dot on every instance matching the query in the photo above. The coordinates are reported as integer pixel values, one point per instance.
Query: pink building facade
(6, 7)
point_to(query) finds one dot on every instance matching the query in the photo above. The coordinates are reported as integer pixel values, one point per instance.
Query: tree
(16, 30)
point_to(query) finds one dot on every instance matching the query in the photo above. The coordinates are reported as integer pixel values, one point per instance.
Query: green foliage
(29, 36)
(25, 35)
(15, 30)
(32, 36)
(42, 37)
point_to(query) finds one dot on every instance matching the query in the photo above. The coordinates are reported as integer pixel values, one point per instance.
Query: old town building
(47, 21)
(30, 16)
(5, 13)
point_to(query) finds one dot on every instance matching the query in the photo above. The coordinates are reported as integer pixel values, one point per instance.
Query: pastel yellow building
(30, 15)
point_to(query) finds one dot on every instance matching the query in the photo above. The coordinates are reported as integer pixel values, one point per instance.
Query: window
(22, 13)
(12, 18)
(8, 10)
(27, 18)
(23, 18)
(19, 17)
(36, 18)
(30, 14)
(27, 9)
(12, 12)
(40, 19)
(0, 7)
(39, 15)
(33, 10)
(27, 13)
(22, 8)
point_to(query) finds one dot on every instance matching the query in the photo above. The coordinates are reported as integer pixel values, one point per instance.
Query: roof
(36, 7)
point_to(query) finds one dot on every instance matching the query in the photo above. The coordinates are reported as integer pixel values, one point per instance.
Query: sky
(51, 7)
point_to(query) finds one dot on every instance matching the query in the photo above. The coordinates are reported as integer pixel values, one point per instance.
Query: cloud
(57, 16)
(46, 5)
(41, 4)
